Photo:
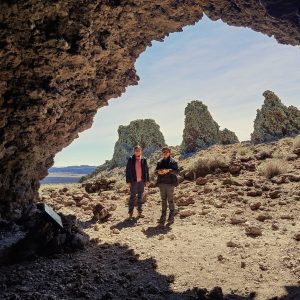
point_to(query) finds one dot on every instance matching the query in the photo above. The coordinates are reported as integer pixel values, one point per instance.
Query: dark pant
(167, 197)
(137, 188)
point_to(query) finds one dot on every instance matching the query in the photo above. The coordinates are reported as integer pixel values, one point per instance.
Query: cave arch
(63, 60)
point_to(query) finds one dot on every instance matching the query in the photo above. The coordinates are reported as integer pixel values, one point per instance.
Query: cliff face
(60, 61)
(201, 131)
(145, 133)
(275, 120)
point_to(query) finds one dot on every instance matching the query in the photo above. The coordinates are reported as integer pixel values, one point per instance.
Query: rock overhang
(63, 60)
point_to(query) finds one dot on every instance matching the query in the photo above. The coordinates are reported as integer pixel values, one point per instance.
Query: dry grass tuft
(205, 165)
(296, 143)
(273, 167)
(244, 151)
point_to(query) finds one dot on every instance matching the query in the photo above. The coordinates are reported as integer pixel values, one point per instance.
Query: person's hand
(129, 184)
(147, 183)
(162, 171)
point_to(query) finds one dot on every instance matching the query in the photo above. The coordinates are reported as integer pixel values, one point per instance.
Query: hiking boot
(130, 215)
(140, 215)
(162, 219)
(171, 218)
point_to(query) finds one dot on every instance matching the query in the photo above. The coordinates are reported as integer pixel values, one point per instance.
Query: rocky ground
(235, 229)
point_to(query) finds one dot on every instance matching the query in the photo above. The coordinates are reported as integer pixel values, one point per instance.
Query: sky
(227, 68)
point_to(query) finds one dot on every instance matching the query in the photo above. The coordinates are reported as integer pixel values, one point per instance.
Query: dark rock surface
(62, 60)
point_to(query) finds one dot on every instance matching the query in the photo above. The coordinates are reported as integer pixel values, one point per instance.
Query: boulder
(201, 181)
(253, 231)
(255, 205)
(97, 185)
(185, 201)
(186, 213)
(100, 213)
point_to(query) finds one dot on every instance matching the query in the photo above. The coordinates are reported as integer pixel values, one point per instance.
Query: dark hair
(137, 147)
(166, 148)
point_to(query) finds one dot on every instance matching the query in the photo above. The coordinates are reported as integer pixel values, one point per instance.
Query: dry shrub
(244, 151)
(120, 185)
(273, 167)
(296, 143)
(205, 165)
(280, 154)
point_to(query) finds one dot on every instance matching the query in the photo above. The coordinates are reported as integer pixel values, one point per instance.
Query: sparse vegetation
(273, 167)
(244, 151)
(120, 185)
(205, 165)
(296, 143)
(280, 154)
(263, 152)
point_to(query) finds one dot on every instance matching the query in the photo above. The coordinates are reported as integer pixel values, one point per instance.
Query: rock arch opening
(63, 60)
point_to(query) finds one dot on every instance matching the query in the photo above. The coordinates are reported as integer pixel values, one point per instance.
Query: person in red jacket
(137, 176)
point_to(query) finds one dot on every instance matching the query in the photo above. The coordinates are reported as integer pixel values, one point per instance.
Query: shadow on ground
(107, 271)
(125, 224)
(157, 230)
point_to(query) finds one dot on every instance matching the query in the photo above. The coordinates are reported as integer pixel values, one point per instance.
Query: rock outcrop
(275, 120)
(201, 131)
(60, 61)
(145, 133)
(228, 137)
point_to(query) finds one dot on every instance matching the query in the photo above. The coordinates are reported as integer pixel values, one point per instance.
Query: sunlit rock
(275, 120)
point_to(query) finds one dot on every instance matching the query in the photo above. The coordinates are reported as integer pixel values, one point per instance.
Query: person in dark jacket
(137, 176)
(167, 171)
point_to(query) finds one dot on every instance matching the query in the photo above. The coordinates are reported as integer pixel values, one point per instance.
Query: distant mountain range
(64, 175)
(83, 169)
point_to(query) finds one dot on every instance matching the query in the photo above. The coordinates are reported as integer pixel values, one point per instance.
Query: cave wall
(61, 60)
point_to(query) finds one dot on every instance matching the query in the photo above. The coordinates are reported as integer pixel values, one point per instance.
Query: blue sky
(228, 68)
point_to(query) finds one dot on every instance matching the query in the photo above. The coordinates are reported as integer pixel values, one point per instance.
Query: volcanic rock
(186, 213)
(185, 201)
(228, 137)
(100, 213)
(275, 120)
(297, 236)
(253, 231)
(274, 194)
(201, 181)
(263, 216)
(201, 131)
(63, 60)
(237, 220)
(98, 184)
(255, 205)
(145, 133)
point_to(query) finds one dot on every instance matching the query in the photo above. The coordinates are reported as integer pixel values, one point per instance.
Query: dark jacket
(171, 177)
(130, 169)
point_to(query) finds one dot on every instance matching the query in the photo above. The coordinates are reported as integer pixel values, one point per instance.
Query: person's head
(165, 151)
(137, 150)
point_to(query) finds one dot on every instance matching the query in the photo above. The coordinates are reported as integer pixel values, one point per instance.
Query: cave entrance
(226, 67)
(62, 61)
